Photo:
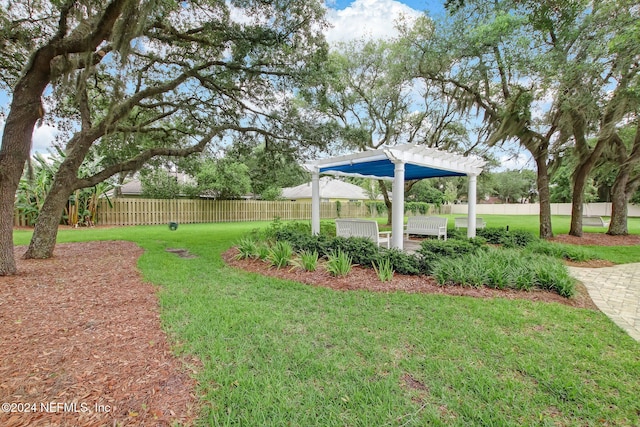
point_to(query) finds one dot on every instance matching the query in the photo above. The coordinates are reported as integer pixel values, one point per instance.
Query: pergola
(398, 164)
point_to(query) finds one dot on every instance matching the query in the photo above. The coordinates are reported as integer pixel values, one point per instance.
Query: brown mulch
(366, 279)
(598, 239)
(80, 338)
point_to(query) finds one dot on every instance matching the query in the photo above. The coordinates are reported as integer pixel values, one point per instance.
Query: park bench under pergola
(398, 164)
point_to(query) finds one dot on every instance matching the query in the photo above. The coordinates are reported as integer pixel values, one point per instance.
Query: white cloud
(43, 138)
(518, 161)
(369, 19)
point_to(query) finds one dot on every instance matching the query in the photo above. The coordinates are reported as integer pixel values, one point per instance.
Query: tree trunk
(623, 189)
(579, 180)
(387, 201)
(619, 200)
(64, 183)
(546, 231)
(43, 240)
(26, 109)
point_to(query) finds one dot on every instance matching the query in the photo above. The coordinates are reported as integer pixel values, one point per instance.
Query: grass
(280, 353)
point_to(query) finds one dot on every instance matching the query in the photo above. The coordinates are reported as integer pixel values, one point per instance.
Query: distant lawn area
(278, 353)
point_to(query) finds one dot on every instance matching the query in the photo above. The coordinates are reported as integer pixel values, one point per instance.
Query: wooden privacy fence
(126, 211)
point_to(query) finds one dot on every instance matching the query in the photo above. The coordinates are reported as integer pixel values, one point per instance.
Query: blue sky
(430, 5)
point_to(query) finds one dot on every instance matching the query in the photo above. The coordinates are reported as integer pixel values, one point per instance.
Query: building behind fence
(127, 211)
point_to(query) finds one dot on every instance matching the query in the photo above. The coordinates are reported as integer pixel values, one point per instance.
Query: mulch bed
(598, 239)
(80, 338)
(361, 278)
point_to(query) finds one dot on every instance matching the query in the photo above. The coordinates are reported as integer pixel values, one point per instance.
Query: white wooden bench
(427, 226)
(362, 228)
(594, 221)
(463, 222)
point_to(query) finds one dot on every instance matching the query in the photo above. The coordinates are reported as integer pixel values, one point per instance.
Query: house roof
(420, 162)
(134, 187)
(330, 188)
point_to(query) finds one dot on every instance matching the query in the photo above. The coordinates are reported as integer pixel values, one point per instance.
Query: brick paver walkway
(616, 292)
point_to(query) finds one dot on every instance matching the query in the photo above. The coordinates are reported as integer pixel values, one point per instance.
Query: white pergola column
(315, 202)
(397, 207)
(471, 206)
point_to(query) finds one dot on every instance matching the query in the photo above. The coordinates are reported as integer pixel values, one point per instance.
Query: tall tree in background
(545, 74)
(185, 72)
(626, 154)
(593, 62)
(483, 55)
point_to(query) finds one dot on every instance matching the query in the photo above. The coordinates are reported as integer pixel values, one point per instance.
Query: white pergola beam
(471, 206)
(315, 202)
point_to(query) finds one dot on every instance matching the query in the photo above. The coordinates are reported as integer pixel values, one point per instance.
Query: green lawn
(281, 353)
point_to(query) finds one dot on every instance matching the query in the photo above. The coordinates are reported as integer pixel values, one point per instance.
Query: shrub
(508, 239)
(493, 235)
(306, 260)
(361, 250)
(553, 275)
(457, 233)
(248, 248)
(498, 268)
(432, 251)
(305, 241)
(280, 254)
(339, 264)
(518, 239)
(559, 250)
(401, 262)
(384, 270)
(263, 251)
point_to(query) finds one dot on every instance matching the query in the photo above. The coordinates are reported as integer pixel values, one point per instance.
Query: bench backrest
(463, 222)
(593, 220)
(424, 223)
(357, 228)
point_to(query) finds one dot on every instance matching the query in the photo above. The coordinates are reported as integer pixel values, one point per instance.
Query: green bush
(263, 250)
(559, 250)
(377, 207)
(401, 262)
(518, 239)
(457, 233)
(361, 250)
(499, 268)
(432, 251)
(493, 235)
(280, 254)
(420, 208)
(339, 263)
(248, 248)
(384, 270)
(508, 239)
(306, 260)
(553, 275)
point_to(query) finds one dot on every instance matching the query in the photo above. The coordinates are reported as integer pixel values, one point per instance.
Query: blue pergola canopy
(420, 162)
(385, 168)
